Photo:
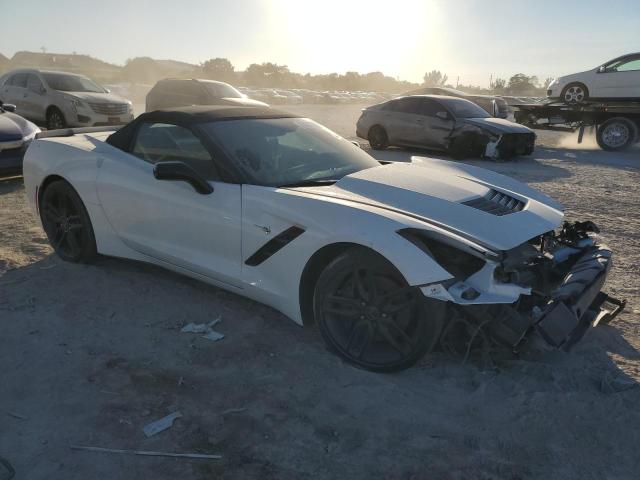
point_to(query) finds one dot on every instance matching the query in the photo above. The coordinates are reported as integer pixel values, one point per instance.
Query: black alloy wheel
(55, 119)
(370, 316)
(66, 223)
(378, 138)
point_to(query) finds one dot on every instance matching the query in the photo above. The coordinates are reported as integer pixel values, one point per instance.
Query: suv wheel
(55, 119)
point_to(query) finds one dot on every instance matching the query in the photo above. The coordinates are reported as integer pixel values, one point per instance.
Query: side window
(404, 105)
(412, 105)
(630, 65)
(390, 106)
(158, 142)
(430, 108)
(191, 90)
(34, 84)
(19, 80)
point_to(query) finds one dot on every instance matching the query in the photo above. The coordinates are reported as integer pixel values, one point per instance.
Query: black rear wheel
(66, 223)
(378, 138)
(370, 316)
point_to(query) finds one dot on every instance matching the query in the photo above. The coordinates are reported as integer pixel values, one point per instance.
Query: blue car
(15, 135)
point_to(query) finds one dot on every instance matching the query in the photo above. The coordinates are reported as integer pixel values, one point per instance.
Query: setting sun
(336, 35)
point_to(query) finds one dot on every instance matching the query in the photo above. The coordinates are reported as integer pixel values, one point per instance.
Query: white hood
(434, 190)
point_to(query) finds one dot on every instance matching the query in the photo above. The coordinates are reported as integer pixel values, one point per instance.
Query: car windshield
(462, 108)
(222, 90)
(288, 151)
(71, 83)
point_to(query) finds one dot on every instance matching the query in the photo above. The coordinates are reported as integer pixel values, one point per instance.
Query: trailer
(616, 124)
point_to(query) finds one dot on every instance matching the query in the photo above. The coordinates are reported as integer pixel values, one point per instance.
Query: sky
(467, 39)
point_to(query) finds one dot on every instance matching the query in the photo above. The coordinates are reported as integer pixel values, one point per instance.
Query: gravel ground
(92, 353)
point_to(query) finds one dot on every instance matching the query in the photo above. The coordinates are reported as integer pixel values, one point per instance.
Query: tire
(55, 119)
(67, 224)
(378, 138)
(575, 93)
(616, 134)
(370, 316)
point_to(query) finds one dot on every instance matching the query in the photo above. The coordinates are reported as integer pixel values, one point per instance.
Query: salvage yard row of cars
(59, 100)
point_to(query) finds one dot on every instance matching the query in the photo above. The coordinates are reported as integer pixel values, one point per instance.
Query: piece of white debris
(160, 425)
(205, 329)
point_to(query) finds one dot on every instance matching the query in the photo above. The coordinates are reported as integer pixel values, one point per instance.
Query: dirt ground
(89, 354)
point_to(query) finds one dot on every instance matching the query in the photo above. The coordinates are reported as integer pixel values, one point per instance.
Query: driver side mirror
(602, 69)
(8, 107)
(182, 172)
(442, 115)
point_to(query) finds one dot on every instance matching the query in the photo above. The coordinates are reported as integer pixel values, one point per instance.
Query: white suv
(60, 99)
(617, 79)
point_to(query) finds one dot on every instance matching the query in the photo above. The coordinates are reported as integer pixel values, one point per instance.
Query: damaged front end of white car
(550, 286)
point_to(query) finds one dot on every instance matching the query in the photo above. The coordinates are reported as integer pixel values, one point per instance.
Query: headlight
(460, 260)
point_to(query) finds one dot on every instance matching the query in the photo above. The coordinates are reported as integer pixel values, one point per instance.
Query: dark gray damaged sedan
(454, 125)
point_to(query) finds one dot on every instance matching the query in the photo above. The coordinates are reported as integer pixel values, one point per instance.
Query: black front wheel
(370, 316)
(66, 222)
(55, 119)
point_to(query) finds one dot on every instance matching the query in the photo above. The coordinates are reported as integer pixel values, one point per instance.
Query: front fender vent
(496, 203)
(274, 245)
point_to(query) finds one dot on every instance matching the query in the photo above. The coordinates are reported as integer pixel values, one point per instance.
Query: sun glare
(336, 35)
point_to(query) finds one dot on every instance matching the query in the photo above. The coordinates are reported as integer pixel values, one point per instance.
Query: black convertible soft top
(188, 116)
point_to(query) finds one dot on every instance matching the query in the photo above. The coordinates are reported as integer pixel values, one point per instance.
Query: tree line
(273, 75)
(518, 84)
(146, 70)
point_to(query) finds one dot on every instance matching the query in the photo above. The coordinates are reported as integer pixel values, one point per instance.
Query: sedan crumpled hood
(434, 190)
(497, 126)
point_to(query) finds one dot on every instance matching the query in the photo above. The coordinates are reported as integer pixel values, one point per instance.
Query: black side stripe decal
(274, 245)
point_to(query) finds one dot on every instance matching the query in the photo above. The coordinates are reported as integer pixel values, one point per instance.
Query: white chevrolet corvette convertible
(388, 260)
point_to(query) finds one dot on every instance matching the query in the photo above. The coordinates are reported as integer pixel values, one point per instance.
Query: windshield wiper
(309, 183)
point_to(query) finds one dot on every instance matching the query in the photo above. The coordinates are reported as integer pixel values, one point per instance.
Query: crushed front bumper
(11, 160)
(574, 306)
(578, 303)
(546, 290)
(510, 145)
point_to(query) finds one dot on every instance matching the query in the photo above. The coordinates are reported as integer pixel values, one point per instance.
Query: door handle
(419, 121)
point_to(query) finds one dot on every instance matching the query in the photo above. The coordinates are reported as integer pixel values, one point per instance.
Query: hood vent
(496, 203)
